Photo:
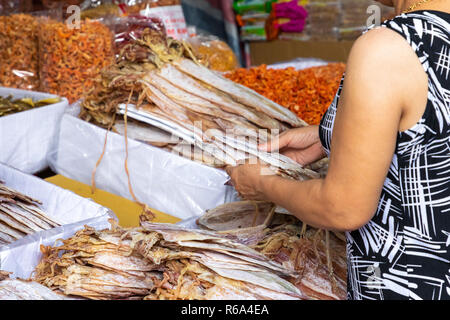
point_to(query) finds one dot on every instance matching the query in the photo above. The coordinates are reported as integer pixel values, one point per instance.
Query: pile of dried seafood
(20, 216)
(17, 289)
(317, 256)
(159, 261)
(158, 81)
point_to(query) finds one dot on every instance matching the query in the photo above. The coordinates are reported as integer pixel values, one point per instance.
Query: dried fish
(159, 261)
(17, 289)
(319, 260)
(20, 216)
(181, 80)
(158, 81)
(238, 92)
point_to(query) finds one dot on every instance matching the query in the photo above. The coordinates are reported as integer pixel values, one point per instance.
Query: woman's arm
(383, 76)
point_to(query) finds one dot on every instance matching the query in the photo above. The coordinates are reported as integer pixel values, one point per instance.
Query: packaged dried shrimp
(71, 59)
(19, 59)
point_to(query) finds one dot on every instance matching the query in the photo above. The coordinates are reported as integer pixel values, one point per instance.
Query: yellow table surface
(127, 211)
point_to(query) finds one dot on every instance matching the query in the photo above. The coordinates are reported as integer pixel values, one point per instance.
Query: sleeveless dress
(404, 251)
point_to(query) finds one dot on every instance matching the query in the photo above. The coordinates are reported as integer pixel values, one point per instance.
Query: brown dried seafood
(158, 81)
(159, 261)
(20, 216)
(18, 289)
(317, 256)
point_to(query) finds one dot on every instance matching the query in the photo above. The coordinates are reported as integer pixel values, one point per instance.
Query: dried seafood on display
(19, 59)
(9, 106)
(317, 256)
(71, 58)
(308, 93)
(18, 289)
(20, 216)
(159, 261)
(157, 80)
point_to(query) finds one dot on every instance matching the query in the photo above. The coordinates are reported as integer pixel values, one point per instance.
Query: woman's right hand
(301, 145)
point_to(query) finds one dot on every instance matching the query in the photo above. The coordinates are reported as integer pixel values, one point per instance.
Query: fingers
(277, 143)
(300, 138)
(229, 170)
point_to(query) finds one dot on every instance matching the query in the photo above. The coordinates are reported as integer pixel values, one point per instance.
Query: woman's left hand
(248, 179)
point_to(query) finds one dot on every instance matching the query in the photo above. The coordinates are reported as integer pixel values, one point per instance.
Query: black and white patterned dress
(404, 251)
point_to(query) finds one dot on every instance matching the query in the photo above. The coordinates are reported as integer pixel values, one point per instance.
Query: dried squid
(318, 257)
(159, 261)
(158, 81)
(20, 216)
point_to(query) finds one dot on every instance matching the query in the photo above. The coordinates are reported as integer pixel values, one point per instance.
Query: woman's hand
(248, 179)
(301, 145)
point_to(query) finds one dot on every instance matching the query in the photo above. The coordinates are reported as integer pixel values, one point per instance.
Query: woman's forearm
(309, 201)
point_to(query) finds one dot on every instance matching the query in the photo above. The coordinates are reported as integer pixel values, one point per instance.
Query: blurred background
(258, 31)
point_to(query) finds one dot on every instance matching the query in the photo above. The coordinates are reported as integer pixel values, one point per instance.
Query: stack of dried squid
(20, 216)
(318, 257)
(18, 289)
(159, 261)
(158, 81)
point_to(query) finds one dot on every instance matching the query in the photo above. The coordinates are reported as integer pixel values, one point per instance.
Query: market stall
(134, 108)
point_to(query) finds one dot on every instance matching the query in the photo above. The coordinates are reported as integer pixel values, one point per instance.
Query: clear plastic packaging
(71, 58)
(169, 11)
(214, 53)
(19, 59)
(131, 28)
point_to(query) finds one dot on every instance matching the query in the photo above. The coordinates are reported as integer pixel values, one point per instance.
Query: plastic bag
(19, 52)
(131, 28)
(169, 11)
(214, 53)
(71, 58)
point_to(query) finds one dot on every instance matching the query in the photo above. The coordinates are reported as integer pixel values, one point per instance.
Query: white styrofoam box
(164, 181)
(27, 137)
(71, 210)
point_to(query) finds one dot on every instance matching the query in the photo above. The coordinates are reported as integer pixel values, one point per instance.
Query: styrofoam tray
(73, 211)
(27, 137)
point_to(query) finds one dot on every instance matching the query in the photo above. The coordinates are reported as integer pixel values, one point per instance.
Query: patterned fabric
(404, 251)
